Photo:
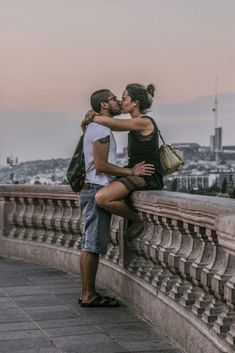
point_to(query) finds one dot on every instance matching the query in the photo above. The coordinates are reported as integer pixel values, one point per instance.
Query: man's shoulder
(96, 129)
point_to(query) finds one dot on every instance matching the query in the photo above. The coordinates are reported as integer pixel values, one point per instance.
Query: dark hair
(98, 97)
(144, 95)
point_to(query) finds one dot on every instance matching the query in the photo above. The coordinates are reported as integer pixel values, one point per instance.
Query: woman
(143, 146)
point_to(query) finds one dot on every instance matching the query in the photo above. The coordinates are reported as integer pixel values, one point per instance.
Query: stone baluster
(48, 220)
(168, 283)
(212, 311)
(180, 244)
(225, 272)
(201, 303)
(155, 241)
(38, 220)
(150, 267)
(76, 224)
(223, 323)
(179, 288)
(204, 257)
(169, 241)
(68, 239)
(11, 215)
(29, 211)
(57, 221)
(160, 275)
(229, 291)
(190, 296)
(191, 250)
(2, 216)
(224, 279)
(115, 236)
(142, 248)
(19, 219)
(147, 238)
(207, 273)
(122, 246)
(230, 338)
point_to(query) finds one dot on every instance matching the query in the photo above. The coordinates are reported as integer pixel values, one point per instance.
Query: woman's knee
(100, 199)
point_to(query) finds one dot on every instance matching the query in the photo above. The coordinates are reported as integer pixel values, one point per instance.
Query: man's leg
(81, 274)
(88, 265)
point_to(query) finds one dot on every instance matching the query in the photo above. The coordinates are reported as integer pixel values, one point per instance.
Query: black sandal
(98, 295)
(101, 302)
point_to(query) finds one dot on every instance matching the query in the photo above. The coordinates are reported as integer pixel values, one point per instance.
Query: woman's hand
(141, 169)
(88, 119)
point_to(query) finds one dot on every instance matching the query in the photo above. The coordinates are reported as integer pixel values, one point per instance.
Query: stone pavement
(39, 314)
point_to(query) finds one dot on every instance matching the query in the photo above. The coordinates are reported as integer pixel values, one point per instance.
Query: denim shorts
(96, 223)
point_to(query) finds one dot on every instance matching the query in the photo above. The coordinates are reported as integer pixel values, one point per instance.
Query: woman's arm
(136, 124)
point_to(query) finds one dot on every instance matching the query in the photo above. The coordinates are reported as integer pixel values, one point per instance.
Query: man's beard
(114, 112)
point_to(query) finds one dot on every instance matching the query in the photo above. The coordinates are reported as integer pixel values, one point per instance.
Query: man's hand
(88, 119)
(141, 169)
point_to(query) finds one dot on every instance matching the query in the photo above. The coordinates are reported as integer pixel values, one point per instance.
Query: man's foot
(133, 231)
(98, 295)
(101, 302)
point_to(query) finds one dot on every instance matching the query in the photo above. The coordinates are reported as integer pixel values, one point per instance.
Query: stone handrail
(180, 272)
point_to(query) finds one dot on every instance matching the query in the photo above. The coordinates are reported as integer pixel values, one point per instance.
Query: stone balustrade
(180, 272)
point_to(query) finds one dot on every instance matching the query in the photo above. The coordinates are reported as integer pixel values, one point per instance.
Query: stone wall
(180, 272)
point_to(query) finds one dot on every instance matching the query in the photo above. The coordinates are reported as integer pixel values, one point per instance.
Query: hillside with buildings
(206, 170)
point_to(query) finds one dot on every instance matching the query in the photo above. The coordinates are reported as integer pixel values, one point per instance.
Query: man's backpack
(76, 172)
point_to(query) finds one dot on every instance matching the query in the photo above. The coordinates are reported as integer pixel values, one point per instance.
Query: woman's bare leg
(110, 198)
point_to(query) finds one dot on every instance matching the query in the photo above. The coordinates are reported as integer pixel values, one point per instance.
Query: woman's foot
(135, 229)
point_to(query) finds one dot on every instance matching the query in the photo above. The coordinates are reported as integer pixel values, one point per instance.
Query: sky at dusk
(55, 53)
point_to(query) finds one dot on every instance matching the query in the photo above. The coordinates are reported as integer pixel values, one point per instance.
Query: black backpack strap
(90, 167)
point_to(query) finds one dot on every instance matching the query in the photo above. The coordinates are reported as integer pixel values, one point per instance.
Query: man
(100, 160)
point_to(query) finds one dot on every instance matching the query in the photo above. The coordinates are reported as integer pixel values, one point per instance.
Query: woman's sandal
(101, 302)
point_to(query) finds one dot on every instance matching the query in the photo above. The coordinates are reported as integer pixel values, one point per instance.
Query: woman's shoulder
(151, 119)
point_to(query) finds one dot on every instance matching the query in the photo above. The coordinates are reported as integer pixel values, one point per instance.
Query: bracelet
(132, 171)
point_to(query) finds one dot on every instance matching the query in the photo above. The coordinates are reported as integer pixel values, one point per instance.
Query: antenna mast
(215, 110)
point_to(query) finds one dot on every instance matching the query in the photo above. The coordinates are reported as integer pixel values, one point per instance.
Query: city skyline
(55, 54)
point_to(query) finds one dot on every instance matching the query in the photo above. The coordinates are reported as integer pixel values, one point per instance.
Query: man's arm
(100, 154)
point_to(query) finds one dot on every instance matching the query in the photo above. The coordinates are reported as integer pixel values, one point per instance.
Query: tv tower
(215, 108)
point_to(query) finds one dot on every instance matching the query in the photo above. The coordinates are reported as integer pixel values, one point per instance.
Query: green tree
(224, 186)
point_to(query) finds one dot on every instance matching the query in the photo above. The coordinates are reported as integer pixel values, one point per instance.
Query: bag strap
(161, 136)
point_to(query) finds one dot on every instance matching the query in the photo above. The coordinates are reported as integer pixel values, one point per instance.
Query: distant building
(212, 143)
(216, 143)
(192, 182)
(229, 149)
(218, 139)
(186, 150)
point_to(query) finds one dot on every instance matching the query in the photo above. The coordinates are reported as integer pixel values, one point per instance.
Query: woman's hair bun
(151, 89)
